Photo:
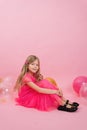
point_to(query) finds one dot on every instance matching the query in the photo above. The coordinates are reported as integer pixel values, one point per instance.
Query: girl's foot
(67, 107)
(73, 103)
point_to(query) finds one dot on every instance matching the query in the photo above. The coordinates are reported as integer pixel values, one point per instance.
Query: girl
(39, 93)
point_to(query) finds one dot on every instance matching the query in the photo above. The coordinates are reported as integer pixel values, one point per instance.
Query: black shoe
(65, 108)
(73, 104)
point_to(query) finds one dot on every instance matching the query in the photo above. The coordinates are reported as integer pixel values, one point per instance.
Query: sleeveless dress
(30, 98)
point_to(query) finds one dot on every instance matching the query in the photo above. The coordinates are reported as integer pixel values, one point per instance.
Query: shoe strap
(67, 102)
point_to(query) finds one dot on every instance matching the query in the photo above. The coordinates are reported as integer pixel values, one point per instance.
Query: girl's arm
(42, 90)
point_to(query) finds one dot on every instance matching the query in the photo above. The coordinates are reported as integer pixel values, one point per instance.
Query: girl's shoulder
(28, 77)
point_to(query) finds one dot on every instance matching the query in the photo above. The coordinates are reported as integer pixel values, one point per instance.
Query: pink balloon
(77, 83)
(83, 90)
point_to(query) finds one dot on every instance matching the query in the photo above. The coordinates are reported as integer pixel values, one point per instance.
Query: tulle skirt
(30, 98)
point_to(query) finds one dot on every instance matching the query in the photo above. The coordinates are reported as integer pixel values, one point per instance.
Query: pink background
(55, 31)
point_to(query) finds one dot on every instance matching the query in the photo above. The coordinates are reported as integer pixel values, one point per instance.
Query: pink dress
(28, 97)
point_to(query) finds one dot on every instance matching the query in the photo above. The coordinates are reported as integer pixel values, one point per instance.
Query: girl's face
(33, 67)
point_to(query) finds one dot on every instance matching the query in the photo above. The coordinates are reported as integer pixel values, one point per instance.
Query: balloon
(1, 91)
(83, 90)
(7, 82)
(51, 80)
(77, 83)
(6, 85)
(1, 80)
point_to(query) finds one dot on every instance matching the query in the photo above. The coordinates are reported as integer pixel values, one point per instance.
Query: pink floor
(14, 117)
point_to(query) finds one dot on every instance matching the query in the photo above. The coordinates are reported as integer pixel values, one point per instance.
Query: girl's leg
(64, 100)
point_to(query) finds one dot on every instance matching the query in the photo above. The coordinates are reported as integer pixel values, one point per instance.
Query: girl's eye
(34, 64)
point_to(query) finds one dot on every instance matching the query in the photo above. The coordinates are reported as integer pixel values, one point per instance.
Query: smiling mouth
(35, 69)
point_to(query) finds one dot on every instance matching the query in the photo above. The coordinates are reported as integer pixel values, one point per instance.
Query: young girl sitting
(39, 93)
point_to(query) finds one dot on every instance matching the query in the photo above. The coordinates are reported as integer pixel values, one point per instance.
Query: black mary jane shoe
(73, 104)
(65, 108)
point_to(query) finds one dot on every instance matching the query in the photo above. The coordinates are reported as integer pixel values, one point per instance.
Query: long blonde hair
(25, 69)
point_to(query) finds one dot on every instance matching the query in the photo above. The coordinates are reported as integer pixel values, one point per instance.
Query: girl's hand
(59, 93)
(40, 77)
